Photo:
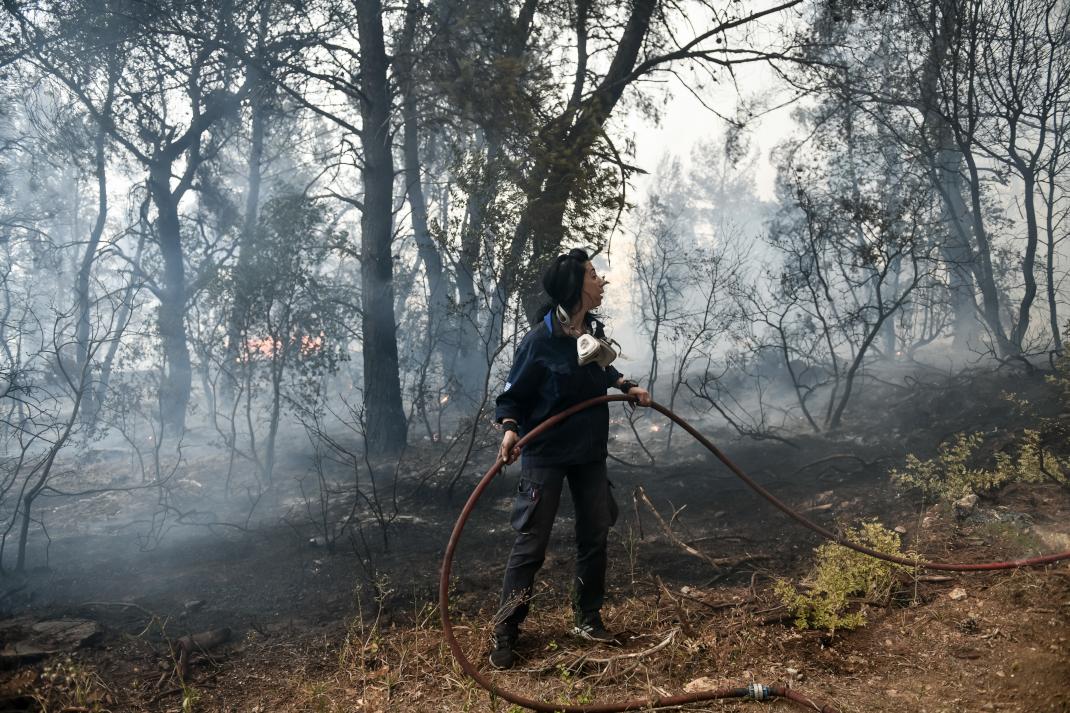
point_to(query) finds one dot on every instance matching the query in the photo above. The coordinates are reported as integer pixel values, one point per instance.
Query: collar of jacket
(553, 327)
(548, 320)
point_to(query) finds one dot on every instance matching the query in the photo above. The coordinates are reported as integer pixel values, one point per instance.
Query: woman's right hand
(507, 451)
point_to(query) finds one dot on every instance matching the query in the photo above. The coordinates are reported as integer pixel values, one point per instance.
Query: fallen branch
(834, 456)
(153, 617)
(717, 606)
(636, 654)
(125, 605)
(777, 615)
(717, 563)
(685, 624)
(640, 494)
(625, 463)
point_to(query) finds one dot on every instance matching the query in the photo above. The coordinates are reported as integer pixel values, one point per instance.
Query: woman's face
(593, 288)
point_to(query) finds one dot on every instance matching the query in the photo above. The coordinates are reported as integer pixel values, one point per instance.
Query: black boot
(591, 628)
(503, 655)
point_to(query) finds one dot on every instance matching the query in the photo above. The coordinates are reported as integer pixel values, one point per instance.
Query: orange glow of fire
(270, 346)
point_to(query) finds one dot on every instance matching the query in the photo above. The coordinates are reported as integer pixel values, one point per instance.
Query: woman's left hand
(641, 395)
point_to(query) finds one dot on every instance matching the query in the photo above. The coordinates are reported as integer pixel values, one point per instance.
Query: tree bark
(1049, 267)
(425, 246)
(82, 332)
(1021, 327)
(950, 96)
(470, 363)
(178, 373)
(382, 384)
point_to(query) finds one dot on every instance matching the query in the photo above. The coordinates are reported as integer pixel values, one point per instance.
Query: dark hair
(563, 281)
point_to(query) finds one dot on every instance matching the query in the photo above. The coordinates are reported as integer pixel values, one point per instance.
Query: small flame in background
(654, 428)
(269, 346)
(444, 400)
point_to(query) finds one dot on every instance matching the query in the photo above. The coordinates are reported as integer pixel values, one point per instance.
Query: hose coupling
(759, 692)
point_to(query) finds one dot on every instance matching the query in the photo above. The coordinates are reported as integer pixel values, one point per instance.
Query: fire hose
(751, 692)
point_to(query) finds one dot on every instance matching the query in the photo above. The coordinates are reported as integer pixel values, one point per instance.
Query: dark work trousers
(537, 498)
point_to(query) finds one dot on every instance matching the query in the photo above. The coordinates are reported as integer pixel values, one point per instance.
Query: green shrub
(1034, 463)
(841, 578)
(949, 475)
(1060, 379)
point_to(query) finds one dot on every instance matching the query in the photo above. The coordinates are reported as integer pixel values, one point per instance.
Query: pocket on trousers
(528, 494)
(614, 509)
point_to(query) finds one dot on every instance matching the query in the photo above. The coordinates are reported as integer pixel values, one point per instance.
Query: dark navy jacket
(546, 379)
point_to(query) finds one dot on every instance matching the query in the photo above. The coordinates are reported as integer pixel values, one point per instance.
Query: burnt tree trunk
(1029, 278)
(1049, 267)
(386, 426)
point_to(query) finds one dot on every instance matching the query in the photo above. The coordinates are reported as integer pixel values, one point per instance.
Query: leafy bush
(949, 475)
(1060, 379)
(842, 577)
(1034, 463)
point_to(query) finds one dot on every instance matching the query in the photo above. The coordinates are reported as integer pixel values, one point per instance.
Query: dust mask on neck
(590, 348)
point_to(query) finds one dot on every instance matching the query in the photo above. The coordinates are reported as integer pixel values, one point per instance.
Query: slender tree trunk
(178, 374)
(966, 111)
(1029, 277)
(955, 250)
(122, 319)
(470, 363)
(983, 271)
(836, 417)
(1049, 267)
(82, 335)
(278, 367)
(382, 383)
(247, 241)
(945, 162)
(43, 472)
(425, 246)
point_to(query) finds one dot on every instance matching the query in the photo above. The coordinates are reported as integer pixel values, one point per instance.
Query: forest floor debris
(320, 631)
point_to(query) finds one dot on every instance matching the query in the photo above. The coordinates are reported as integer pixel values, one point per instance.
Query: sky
(684, 123)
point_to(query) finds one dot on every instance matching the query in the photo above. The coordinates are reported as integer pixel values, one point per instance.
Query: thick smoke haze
(264, 267)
